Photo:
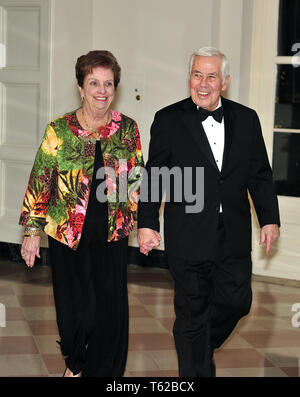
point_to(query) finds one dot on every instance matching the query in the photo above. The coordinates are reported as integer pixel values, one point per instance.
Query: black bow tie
(216, 114)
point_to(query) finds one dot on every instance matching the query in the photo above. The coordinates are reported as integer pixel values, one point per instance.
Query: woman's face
(98, 89)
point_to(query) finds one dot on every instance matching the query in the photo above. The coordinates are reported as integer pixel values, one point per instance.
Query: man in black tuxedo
(209, 249)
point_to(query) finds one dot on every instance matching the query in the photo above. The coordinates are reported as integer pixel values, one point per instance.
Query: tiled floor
(265, 344)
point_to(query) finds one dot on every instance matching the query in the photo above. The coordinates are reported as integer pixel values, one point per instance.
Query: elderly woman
(80, 208)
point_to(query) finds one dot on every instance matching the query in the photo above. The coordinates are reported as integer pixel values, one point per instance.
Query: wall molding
(156, 259)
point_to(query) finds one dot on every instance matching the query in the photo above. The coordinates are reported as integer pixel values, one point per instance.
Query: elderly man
(209, 251)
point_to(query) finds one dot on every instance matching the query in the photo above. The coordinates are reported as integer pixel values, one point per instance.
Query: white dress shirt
(215, 134)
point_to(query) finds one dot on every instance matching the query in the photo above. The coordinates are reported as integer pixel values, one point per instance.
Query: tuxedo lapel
(191, 119)
(229, 127)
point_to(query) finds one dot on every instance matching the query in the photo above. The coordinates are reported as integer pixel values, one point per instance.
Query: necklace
(91, 129)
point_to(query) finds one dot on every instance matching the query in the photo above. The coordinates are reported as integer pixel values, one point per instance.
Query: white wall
(226, 28)
(152, 41)
(71, 36)
(245, 52)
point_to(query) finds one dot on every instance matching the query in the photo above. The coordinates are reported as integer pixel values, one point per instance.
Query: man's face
(206, 81)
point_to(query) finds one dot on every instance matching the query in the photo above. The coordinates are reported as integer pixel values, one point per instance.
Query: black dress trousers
(90, 293)
(210, 298)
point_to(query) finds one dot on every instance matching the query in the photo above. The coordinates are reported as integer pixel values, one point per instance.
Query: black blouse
(96, 210)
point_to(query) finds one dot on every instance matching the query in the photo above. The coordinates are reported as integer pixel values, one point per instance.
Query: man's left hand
(268, 234)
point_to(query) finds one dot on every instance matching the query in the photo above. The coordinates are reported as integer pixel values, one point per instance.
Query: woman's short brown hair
(93, 59)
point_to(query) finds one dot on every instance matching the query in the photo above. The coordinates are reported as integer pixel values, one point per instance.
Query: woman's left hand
(30, 249)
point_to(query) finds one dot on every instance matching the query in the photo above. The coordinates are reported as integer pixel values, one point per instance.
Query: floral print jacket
(58, 190)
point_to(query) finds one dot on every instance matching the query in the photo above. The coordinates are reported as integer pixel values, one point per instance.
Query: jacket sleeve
(159, 152)
(136, 165)
(260, 180)
(41, 180)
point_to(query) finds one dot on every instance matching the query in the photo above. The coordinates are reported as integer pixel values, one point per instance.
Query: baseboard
(155, 259)
(276, 280)
(11, 252)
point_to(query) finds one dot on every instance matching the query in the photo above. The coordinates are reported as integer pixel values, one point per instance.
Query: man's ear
(225, 85)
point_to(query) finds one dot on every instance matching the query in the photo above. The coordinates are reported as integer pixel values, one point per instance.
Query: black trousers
(210, 298)
(91, 299)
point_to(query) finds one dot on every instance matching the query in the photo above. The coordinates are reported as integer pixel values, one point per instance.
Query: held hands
(30, 249)
(268, 234)
(148, 239)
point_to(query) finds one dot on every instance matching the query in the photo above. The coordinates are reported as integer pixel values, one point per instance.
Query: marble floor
(265, 344)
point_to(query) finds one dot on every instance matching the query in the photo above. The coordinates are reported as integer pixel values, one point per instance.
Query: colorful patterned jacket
(58, 190)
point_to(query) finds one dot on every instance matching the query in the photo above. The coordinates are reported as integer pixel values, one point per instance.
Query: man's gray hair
(209, 52)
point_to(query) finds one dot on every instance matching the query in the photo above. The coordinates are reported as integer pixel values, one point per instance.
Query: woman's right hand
(148, 239)
(30, 249)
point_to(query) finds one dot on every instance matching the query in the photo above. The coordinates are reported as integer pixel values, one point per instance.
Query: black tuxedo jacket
(178, 140)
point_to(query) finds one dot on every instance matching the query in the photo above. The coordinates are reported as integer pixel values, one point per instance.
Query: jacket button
(221, 181)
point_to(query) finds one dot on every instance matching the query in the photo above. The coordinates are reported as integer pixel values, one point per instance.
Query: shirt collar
(219, 105)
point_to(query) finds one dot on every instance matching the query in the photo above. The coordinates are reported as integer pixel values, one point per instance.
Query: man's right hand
(148, 239)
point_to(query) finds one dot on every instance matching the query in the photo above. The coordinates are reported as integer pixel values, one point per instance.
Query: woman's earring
(82, 98)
